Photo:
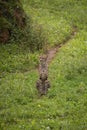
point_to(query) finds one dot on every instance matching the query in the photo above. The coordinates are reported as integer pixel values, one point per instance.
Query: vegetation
(11, 16)
(65, 106)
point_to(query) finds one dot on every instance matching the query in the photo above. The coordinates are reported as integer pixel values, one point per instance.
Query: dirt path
(43, 83)
(52, 52)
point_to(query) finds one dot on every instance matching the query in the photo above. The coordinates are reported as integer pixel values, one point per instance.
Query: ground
(65, 105)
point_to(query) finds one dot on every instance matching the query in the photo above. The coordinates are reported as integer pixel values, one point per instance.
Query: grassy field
(65, 105)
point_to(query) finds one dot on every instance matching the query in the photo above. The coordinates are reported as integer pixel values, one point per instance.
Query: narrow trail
(52, 52)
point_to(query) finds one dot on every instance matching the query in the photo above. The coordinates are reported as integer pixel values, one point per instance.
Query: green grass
(57, 18)
(54, 26)
(65, 105)
(16, 58)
